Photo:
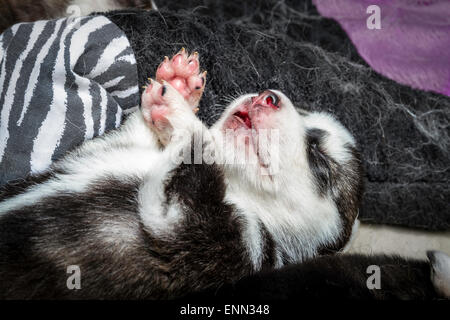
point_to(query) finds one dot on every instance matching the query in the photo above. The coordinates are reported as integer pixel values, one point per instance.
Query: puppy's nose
(267, 99)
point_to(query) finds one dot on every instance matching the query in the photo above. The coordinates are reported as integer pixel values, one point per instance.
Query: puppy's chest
(196, 216)
(198, 189)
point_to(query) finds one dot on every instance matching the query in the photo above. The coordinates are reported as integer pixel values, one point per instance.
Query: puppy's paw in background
(440, 272)
(183, 73)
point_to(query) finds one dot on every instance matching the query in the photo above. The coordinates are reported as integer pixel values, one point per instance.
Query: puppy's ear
(440, 272)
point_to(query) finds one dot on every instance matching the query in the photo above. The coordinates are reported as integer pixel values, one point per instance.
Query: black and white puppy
(141, 218)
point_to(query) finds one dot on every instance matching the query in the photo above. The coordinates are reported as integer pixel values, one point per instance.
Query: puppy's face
(261, 135)
(292, 154)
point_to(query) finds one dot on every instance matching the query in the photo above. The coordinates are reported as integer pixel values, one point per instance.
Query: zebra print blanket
(61, 82)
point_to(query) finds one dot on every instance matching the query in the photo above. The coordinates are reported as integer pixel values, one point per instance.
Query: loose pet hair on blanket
(138, 221)
(15, 11)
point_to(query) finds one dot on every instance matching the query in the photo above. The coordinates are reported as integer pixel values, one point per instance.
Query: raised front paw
(183, 73)
(165, 110)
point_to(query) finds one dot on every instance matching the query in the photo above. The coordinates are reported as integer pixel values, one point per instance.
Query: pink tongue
(244, 116)
(248, 122)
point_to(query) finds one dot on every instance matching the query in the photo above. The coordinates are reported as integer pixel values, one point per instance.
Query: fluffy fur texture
(342, 277)
(139, 224)
(251, 46)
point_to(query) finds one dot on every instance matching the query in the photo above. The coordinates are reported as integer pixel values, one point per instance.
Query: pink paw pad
(183, 73)
(153, 93)
(159, 113)
(154, 108)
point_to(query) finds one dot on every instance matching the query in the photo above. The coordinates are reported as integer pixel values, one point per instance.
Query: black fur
(19, 186)
(348, 195)
(319, 162)
(39, 241)
(343, 182)
(335, 277)
(269, 254)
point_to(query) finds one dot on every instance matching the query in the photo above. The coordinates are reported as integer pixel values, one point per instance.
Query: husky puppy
(345, 276)
(15, 11)
(142, 213)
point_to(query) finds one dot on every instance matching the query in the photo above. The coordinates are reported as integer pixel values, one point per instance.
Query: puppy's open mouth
(243, 117)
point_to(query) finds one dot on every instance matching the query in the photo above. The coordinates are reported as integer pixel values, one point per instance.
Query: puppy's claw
(182, 73)
(182, 52)
(194, 56)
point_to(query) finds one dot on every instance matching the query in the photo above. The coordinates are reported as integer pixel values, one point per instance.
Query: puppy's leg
(168, 114)
(169, 104)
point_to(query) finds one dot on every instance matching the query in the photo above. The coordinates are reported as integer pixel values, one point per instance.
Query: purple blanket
(412, 45)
